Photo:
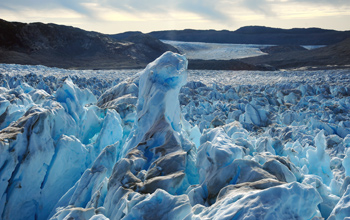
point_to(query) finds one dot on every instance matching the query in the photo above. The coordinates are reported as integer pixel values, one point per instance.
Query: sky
(117, 16)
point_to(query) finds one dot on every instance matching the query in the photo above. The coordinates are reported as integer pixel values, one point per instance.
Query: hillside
(257, 35)
(68, 47)
(332, 56)
(233, 64)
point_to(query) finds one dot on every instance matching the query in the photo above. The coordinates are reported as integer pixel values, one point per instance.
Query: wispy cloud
(34, 4)
(325, 2)
(220, 12)
(76, 6)
(259, 6)
(205, 8)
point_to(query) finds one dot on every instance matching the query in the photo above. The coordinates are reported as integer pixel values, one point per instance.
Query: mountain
(257, 35)
(68, 47)
(282, 49)
(124, 35)
(148, 46)
(335, 56)
(197, 64)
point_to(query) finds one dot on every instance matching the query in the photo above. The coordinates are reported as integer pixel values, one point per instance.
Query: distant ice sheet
(331, 77)
(311, 47)
(225, 77)
(212, 51)
(16, 69)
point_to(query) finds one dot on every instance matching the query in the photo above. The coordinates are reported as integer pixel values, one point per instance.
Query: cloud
(259, 6)
(137, 6)
(76, 6)
(325, 2)
(31, 4)
(206, 9)
(220, 11)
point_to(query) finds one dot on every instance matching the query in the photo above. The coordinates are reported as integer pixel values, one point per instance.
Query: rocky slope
(333, 56)
(68, 47)
(257, 35)
(282, 49)
(196, 64)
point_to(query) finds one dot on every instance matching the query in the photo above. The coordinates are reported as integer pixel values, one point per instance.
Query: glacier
(222, 51)
(168, 143)
(206, 51)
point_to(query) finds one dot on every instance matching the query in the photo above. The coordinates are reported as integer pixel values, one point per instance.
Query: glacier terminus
(168, 143)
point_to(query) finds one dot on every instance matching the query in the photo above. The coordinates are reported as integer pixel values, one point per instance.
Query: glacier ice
(157, 155)
(319, 160)
(43, 153)
(206, 51)
(342, 210)
(224, 145)
(245, 201)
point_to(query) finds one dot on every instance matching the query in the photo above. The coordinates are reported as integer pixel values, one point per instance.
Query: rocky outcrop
(332, 56)
(68, 47)
(282, 49)
(257, 35)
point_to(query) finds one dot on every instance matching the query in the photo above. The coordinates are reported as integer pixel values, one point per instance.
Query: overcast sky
(116, 16)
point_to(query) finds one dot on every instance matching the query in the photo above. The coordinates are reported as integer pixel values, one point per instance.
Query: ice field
(207, 51)
(219, 51)
(166, 143)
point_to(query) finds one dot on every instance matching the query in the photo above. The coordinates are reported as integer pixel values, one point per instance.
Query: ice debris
(46, 150)
(189, 150)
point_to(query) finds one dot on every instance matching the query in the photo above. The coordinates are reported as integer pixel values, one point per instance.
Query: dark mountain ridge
(336, 56)
(125, 35)
(257, 35)
(68, 47)
(332, 56)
